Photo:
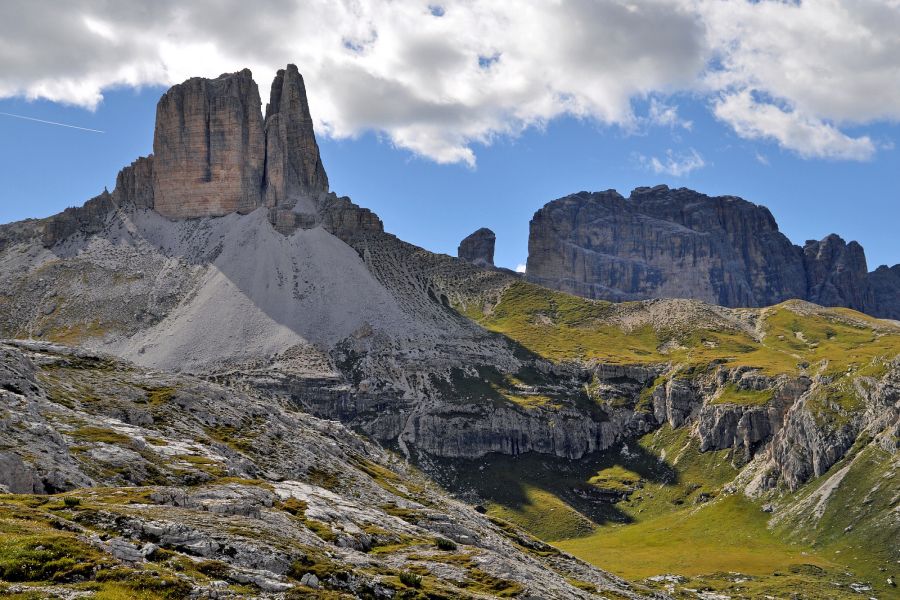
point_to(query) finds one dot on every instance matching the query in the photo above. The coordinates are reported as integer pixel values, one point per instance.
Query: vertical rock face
(134, 184)
(209, 147)
(837, 274)
(478, 248)
(885, 282)
(664, 243)
(293, 165)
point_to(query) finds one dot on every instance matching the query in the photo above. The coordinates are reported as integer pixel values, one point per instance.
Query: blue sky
(47, 168)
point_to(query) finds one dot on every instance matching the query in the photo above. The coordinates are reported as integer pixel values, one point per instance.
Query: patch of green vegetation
(388, 480)
(729, 534)
(836, 404)
(855, 526)
(75, 335)
(323, 478)
(164, 586)
(544, 515)
(89, 433)
(731, 394)
(410, 579)
(239, 440)
(410, 515)
(38, 554)
(561, 327)
(616, 480)
(160, 396)
(445, 545)
(485, 583)
(293, 506)
(205, 464)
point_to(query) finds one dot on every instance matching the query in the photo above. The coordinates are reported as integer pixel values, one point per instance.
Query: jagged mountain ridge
(678, 243)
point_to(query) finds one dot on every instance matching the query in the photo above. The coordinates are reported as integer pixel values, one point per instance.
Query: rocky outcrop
(209, 147)
(478, 248)
(743, 428)
(837, 275)
(664, 243)
(885, 282)
(87, 219)
(257, 490)
(134, 184)
(293, 165)
(679, 243)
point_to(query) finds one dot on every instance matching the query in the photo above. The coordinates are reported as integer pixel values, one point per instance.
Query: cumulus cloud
(674, 164)
(520, 268)
(808, 136)
(666, 115)
(439, 77)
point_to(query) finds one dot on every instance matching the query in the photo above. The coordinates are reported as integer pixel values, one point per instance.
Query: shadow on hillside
(506, 480)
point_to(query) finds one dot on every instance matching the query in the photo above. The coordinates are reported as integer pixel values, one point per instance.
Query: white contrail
(51, 122)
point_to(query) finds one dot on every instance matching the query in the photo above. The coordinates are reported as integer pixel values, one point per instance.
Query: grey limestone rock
(837, 274)
(478, 248)
(678, 243)
(293, 165)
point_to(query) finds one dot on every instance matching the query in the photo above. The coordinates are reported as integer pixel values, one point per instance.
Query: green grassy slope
(660, 506)
(780, 339)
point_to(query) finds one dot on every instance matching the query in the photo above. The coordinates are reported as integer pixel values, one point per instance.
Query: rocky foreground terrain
(180, 487)
(665, 243)
(224, 383)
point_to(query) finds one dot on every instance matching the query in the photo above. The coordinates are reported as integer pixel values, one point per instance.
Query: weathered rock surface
(679, 243)
(250, 491)
(86, 220)
(885, 283)
(478, 248)
(293, 166)
(837, 274)
(209, 147)
(134, 185)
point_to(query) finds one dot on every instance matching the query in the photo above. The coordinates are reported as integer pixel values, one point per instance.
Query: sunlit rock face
(209, 147)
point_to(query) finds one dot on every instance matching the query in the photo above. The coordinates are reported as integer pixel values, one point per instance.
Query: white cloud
(666, 115)
(674, 164)
(806, 135)
(438, 81)
(520, 268)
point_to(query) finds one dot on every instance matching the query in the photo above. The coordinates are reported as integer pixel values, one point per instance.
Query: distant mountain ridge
(679, 243)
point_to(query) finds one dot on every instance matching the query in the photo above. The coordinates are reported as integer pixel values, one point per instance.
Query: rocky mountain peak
(837, 274)
(478, 248)
(209, 147)
(679, 243)
(214, 155)
(293, 165)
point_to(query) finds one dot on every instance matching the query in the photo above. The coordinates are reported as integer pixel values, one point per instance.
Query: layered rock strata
(209, 147)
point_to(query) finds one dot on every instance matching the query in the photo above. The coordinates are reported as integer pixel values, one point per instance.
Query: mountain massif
(223, 380)
(679, 243)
